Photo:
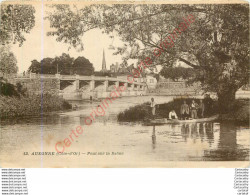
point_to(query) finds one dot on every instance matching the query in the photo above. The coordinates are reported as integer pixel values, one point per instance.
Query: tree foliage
(63, 64)
(176, 73)
(7, 89)
(35, 67)
(216, 44)
(82, 66)
(8, 62)
(16, 19)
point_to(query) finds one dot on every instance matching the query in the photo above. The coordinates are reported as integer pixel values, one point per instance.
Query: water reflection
(153, 138)
(221, 139)
(209, 133)
(185, 131)
(228, 149)
(194, 132)
(201, 131)
(198, 131)
(228, 135)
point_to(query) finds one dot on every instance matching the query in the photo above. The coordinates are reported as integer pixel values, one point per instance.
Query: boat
(177, 121)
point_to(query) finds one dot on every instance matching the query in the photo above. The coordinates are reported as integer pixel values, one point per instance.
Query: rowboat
(177, 121)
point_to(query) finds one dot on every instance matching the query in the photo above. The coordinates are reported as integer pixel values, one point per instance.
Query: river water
(107, 143)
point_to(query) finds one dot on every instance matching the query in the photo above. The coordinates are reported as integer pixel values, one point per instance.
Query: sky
(38, 45)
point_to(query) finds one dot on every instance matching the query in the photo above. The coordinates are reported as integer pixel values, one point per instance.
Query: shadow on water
(222, 147)
(227, 149)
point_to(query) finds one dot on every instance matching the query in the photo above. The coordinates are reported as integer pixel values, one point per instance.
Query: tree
(16, 19)
(35, 67)
(170, 73)
(82, 66)
(63, 64)
(8, 62)
(47, 66)
(216, 43)
(175, 73)
(43, 67)
(188, 73)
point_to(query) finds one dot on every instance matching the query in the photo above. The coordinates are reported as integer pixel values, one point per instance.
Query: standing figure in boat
(172, 115)
(184, 111)
(208, 102)
(194, 107)
(153, 106)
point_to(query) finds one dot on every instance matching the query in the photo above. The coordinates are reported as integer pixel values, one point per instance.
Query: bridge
(97, 87)
(78, 87)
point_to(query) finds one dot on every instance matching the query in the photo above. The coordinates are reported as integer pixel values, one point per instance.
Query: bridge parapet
(68, 85)
(96, 78)
(77, 77)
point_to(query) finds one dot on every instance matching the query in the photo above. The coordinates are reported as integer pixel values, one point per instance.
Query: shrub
(135, 113)
(8, 89)
(20, 89)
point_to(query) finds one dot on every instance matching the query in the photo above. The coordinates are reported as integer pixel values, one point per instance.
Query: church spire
(104, 62)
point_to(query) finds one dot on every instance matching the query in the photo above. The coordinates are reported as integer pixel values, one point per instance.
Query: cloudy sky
(38, 45)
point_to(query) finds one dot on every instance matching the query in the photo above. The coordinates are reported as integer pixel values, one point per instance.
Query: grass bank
(34, 105)
(239, 112)
(15, 102)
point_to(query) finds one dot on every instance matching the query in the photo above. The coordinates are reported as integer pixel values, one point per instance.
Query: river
(107, 143)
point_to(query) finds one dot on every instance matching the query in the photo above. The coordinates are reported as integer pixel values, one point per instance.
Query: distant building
(114, 68)
(151, 81)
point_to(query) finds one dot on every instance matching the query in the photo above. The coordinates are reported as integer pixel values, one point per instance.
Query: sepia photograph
(124, 84)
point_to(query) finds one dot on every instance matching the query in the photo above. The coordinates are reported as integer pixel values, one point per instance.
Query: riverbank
(33, 105)
(239, 113)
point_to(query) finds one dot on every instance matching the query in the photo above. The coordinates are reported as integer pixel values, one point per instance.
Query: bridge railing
(96, 78)
(78, 77)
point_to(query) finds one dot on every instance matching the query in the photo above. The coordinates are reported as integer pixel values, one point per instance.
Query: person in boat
(153, 106)
(201, 109)
(172, 115)
(193, 107)
(75, 107)
(184, 110)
